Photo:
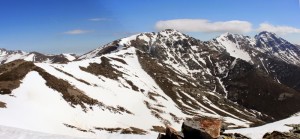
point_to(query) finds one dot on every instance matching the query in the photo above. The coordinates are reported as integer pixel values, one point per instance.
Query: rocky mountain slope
(7, 56)
(136, 85)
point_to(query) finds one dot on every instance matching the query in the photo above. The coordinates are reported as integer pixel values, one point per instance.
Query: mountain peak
(169, 30)
(271, 38)
(234, 37)
(138, 40)
(266, 33)
(228, 34)
(271, 43)
(267, 36)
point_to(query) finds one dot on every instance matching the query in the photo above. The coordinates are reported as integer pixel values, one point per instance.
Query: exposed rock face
(206, 128)
(105, 69)
(253, 89)
(172, 133)
(12, 74)
(233, 136)
(203, 128)
(211, 126)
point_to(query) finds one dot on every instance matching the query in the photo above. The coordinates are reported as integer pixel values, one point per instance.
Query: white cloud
(98, 19)
(277, 29)
(77, 32)
(203, 25)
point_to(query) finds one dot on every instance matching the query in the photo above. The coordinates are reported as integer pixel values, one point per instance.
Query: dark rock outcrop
(170, 134)
(232, 136)
(292, 134)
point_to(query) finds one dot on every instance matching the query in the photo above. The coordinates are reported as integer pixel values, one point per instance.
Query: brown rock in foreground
(211, 126)
(203, 128)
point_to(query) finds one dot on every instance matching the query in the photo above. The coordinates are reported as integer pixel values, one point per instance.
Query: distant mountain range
(140, 83)
(7, 56)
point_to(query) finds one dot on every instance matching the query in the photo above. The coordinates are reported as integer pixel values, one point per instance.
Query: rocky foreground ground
(211, 128)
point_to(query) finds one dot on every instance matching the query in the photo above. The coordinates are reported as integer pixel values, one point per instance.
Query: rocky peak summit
(271, 39)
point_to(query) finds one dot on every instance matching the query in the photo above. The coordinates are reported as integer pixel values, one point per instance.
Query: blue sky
(78, 26)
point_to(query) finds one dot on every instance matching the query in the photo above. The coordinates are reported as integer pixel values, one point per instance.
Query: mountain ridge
(11, 55)
(163, 77)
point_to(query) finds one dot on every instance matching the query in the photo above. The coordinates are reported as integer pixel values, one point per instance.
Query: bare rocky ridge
(12, 73)
(104, 68)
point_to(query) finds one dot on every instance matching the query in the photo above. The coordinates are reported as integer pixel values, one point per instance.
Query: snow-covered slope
(70, 57)
(236, 45)
(258, 132)
(38, 115)
(16, 133)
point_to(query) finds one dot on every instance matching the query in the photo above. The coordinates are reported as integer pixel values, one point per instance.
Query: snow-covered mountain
(273, 55)
(17, 133)
(273, 45)
(140, 83)
(9, 55)
(247, 48)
